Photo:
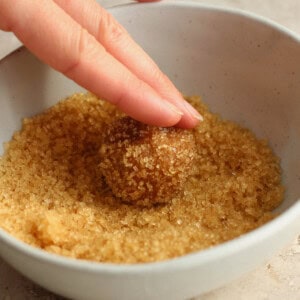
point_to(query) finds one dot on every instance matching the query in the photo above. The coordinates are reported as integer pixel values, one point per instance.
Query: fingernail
(173, 108)
(193, 111)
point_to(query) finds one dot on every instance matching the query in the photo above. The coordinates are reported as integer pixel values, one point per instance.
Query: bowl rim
(291, 215)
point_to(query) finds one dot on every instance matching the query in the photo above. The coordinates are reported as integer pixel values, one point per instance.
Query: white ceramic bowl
(246, 68)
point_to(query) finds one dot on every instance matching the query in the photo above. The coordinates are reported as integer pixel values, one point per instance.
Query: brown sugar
(53, 194)
(145, 164)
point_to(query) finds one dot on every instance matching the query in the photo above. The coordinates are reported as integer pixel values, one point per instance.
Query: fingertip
(173, 108)
(187, 123)
(191, 117)
(174, 115)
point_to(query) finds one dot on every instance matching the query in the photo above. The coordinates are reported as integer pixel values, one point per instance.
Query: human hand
(83, 41)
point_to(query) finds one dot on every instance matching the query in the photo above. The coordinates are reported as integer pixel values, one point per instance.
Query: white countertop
(278, 278)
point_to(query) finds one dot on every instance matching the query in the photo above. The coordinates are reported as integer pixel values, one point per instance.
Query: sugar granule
(53, 196)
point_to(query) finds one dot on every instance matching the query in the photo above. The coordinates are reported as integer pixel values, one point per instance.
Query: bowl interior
(247, 71)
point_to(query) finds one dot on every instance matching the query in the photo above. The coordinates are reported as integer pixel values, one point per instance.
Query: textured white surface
(279, 278)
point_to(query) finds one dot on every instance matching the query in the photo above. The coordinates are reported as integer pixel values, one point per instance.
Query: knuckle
(131, 87)
(79, 42)
(83, 47)
(158, 77)
(109, 30)
(123, 94)
(161, 82)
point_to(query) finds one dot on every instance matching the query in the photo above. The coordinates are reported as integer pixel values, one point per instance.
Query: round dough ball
(145, 164)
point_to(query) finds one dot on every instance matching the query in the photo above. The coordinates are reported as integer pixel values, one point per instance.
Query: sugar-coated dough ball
(145, 164)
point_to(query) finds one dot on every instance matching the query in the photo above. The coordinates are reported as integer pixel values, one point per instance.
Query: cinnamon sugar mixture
(56, 195)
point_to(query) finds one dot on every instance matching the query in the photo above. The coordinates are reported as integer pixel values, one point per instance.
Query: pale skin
(84, 42)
